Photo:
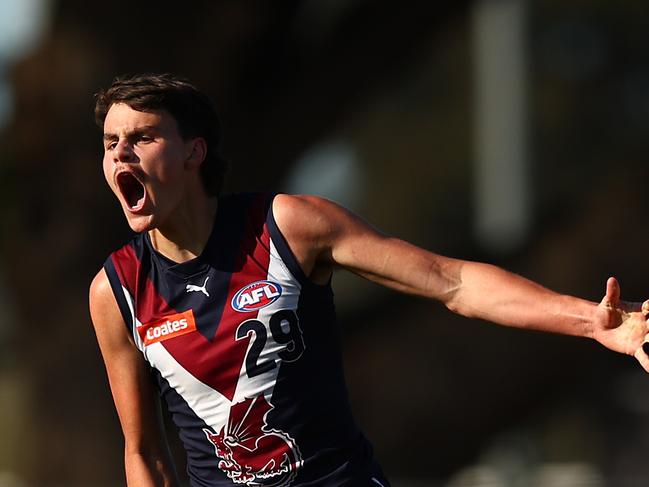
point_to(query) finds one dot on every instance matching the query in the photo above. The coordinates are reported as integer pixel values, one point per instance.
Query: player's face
(144, 164)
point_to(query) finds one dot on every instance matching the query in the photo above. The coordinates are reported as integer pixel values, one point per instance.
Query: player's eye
(144, 139)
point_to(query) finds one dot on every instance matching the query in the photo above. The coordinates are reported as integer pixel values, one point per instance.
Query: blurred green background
(509, 131)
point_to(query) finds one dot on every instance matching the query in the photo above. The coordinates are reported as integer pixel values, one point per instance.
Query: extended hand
(625, 328)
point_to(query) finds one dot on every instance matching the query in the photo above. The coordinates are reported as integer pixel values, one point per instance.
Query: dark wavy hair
(192, 109)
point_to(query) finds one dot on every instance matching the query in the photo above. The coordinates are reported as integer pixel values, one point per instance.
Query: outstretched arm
(146, 454)
(324, 235)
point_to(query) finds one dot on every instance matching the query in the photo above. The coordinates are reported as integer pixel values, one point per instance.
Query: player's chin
(140, 223)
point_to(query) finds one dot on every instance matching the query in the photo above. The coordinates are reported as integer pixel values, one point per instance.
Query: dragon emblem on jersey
(252, 454)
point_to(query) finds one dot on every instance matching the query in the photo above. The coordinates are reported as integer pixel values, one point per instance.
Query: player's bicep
(343, 239)
(128, 374)
(397, 264)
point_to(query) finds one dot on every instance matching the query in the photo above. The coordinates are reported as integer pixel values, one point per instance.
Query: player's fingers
(612, 297)
(645, 347)
(645, 309)
(642, 356)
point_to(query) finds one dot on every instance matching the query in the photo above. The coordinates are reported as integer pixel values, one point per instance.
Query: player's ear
(197, 152)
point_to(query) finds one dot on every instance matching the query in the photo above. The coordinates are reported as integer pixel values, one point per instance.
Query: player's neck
(184, 235)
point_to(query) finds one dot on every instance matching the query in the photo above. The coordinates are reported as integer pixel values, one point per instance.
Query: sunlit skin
(155, 174)
(178, 214)
(174, 207)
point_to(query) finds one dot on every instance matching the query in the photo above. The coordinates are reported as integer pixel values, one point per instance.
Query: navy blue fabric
(310, 401)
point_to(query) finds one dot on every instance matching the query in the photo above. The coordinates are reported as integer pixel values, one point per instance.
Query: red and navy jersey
(245, 352)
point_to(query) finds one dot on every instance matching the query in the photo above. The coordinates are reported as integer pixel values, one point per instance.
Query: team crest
(256, 296)
(252, 454)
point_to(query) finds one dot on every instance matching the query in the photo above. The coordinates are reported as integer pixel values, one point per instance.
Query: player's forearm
(493, 294)
(148, 470)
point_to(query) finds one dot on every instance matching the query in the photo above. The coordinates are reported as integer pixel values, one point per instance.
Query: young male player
(223, 305)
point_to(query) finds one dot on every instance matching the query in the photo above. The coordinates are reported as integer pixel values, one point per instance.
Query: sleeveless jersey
(244, 349)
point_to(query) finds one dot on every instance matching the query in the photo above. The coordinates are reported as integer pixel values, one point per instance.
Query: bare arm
(146, 455)
(323, 235)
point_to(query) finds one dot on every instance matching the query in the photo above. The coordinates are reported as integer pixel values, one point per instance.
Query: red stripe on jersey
(217, 363)
(123, 260)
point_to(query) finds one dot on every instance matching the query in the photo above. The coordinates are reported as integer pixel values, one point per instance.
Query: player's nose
(123, 152)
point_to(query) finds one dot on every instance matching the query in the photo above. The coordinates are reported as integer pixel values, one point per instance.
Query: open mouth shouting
(132, 190)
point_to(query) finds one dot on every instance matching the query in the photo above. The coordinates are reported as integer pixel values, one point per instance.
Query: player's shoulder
(303, 213)
(100, 289)
(289, 206)
(314, 223)
(104, 310)
(316, 212)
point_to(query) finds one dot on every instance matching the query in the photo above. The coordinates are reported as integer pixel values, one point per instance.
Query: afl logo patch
(256, 295)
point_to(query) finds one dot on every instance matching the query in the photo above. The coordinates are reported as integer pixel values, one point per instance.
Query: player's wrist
(599, 323)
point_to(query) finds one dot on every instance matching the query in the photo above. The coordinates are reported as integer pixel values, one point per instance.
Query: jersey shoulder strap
(122, 268)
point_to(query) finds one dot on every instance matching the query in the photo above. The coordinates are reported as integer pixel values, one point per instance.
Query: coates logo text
(167, 327)
(256, 296)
